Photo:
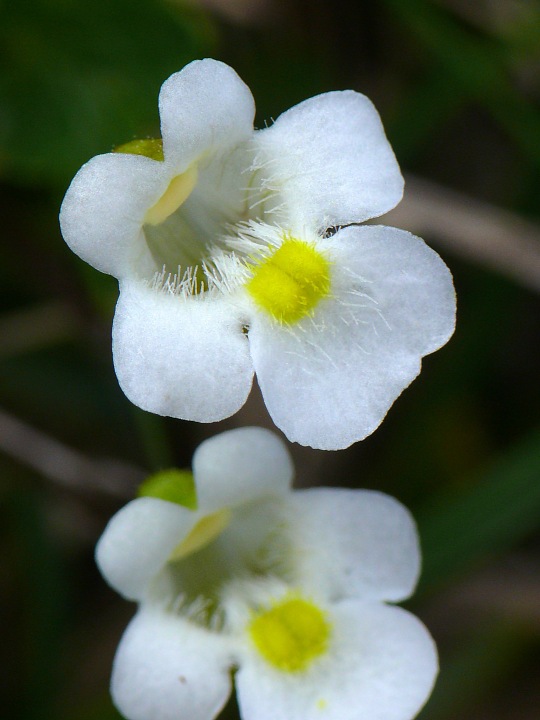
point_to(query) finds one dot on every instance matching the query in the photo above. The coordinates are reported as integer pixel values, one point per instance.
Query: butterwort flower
(239, 252)
(288, 592)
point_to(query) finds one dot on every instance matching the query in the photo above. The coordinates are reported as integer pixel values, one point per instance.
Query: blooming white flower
(233, 257)
(288, 590)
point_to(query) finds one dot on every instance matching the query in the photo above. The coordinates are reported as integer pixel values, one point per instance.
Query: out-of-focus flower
(289, 589)
(234, 256)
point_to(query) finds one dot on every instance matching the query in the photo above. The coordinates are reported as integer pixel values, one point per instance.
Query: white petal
(137, 542)
(103, 211)
(204, 108)
(381, 665)
(183, 358)
(241, 465)
(330, 381)
(331, 161)
(354, 543)
(166, 669)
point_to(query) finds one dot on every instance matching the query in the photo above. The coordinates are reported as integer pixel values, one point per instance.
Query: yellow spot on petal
(290, 282)
(180, 188)
(291, 634)
(321, 704)
(206, 530)
(150, 147)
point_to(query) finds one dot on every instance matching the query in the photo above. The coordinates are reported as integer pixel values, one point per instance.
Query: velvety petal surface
(240, 465)
(103, 211)
(368, 549)
(381, 665)
(330, 161)
(183, 358)
(138, 541)
(167, 668)
(329, 380)
(203, 108)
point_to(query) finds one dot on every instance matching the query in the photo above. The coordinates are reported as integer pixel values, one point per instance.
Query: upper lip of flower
(281, 173)
(119, 209)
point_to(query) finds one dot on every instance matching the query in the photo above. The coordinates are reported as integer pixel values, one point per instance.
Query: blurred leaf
(479, 63)
(43, 594)
(84, 77)
(492, 515)
(100, 709)
(479, 662)
(76, 397)
(420, 114)
(153, 438)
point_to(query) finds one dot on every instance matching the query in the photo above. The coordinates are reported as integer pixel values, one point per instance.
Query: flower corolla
(239, 251)
(288, 590)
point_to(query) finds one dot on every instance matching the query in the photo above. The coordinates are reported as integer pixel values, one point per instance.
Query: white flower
(233, 258)
(287, 590)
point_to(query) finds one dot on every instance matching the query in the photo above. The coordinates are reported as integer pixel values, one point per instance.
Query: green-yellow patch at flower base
(291, 634)
(289, 283)
(149, 147)
(176, 486)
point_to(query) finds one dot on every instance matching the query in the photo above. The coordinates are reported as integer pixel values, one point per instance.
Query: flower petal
(241, 465)
(103, 211)
(329, 380)
(203, 108)
(186, 358)
(381, 664)
(331, 161)
(166, 668)
(368, 550)
(138, 541)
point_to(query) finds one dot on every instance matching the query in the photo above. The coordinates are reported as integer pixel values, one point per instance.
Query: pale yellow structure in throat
(180, 187)
(206, 529)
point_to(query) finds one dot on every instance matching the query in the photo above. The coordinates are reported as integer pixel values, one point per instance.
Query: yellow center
(291, 282)
(291, 634)
(208, 528)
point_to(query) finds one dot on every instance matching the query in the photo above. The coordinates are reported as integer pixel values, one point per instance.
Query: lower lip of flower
(289, 283)
(291, 634)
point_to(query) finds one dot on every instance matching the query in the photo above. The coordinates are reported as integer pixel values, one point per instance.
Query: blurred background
(458, 86)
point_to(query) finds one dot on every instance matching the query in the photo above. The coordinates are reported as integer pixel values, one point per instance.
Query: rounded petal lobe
(203, 108)
(137, 542)
(240, 465)
(103, 211)
(185, 358)
(381, 665)
(368, 550)
(331, 162)
(329, 380)
(166, 669)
